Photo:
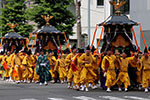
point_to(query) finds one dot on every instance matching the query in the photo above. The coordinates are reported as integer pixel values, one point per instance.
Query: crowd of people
(81, 68)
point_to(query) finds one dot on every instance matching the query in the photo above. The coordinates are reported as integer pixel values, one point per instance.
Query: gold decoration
(117, 5)
(120, 41)
(12, 26)
(47, 19)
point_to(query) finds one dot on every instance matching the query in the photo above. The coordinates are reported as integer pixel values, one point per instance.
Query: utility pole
(89, 21)
(78, 16)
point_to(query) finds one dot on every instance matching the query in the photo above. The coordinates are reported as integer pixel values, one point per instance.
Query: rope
(59, 45)
(94, 36)
(143, 37)
(1, 42)
(34, 41)
(100, 37)
(135, 39)
(67, 42)
(29, 38)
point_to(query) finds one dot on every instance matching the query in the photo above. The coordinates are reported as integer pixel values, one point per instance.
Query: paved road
(10, 91)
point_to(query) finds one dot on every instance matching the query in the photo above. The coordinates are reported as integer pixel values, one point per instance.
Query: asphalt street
(11, 91)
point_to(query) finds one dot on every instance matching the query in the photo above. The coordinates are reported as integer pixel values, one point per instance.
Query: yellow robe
(28, 63)
(87, 73)
(68, 60)
(109, 66)
(52, 61)
(145, 65)
(35, 76)
(1, 71)
(60, 67)
(123, 76)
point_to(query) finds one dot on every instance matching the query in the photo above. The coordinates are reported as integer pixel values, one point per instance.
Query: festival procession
(119, 64)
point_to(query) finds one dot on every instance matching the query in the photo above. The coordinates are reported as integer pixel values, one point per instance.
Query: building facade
(137, 10)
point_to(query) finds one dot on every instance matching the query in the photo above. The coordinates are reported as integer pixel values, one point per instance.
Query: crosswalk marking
(111, 98)
(84, 98)
(136, 98)
(56, 99)
(29, 99)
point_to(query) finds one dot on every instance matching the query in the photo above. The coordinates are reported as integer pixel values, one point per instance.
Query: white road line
(29, 99)
(136, 98)
(111, 98)
(84, 98)
(56, 99)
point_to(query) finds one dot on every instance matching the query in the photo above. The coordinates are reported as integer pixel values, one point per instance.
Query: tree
(63, 18)
(14, 11)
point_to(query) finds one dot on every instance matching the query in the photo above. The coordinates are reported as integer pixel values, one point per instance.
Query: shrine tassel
(67, 42)
(27, 44)
(1, 42)
(135, 39)
(100, 37)
(29, 38)
(34, 40)
(94, 36)
(143, 38)
(60, 45)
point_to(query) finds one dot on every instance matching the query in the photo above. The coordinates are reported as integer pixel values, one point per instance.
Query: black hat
(29, 52)
(41, 50)
(109, 49)
(66, 51)
(73, 47)
(82, 50)
(145, 50)
(79, 50)
(93, 49)
(88, 47)
(49, 51)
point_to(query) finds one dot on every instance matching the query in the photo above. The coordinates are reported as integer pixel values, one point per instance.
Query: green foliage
(14, 11)
(63, 19)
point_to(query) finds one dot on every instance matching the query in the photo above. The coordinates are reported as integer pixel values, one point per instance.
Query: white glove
(17, 66)
(104, 74)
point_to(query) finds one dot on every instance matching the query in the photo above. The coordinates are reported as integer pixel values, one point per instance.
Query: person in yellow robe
(123, 77)
(1, 66)
(68, 60)
(28, 63)
(108, 67)
(76, 68)
(139, 71)
(145, 66)
(87, 74)
(22, 54)
(35, 76)
(17, 70)
(8, 71)
(60, 67)
(52, 61)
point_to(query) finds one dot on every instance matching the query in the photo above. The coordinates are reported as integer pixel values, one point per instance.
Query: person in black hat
(28, 62)
(52, 61)
(107, 64)
(68, 60)
(123, 77)
(76, 68)
(87, 74)
(43, 68)
(145, 61)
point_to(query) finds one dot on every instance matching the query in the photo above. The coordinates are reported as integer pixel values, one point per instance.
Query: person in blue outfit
(43, 68)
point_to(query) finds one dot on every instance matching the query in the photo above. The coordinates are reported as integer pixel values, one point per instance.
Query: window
(125, 9)
(100, 2)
